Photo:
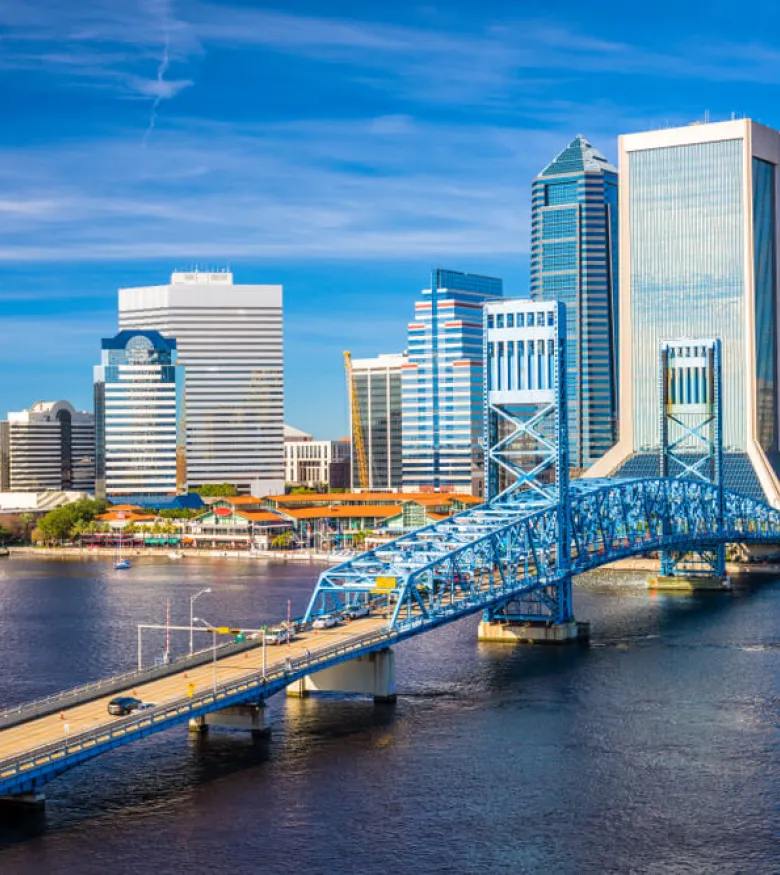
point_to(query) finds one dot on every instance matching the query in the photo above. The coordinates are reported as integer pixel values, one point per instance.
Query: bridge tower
(691, 446)
(526, 444)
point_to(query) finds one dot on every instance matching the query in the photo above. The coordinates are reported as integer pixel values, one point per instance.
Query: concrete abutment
(372, 674)
(690, 583)
(249, 718)
(533, 632)
(33, 801)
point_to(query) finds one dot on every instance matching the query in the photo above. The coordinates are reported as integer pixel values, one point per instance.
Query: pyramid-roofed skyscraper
(574, 259)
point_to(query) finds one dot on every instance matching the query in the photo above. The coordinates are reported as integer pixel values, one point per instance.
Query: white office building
(230, 344)
(308, 462)
(140, 442)
(50, 446)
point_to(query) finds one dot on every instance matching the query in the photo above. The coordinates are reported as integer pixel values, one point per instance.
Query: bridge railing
(27, 711)
(57, 756)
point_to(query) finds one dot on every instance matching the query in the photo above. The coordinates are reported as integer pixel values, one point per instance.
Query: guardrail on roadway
(55, 758)
(27, 711)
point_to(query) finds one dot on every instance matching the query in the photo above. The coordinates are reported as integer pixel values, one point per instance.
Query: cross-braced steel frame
(691, 436)
(480, 559)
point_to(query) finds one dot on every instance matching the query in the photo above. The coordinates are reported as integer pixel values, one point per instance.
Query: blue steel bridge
(510, 559)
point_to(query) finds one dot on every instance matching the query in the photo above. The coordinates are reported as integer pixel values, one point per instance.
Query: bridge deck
(23, 739)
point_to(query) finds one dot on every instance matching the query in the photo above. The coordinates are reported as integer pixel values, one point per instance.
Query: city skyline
(115, 170)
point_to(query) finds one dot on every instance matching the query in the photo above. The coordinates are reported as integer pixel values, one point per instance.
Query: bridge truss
(485, 557)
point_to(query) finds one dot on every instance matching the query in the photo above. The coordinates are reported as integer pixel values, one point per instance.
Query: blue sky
(342, 149)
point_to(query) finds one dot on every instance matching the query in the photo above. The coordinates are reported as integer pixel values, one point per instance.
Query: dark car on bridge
(123, 705)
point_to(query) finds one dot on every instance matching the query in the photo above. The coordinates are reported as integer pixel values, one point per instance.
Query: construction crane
(358, 444)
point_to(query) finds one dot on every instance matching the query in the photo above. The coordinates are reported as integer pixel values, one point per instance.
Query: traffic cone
(62, 715)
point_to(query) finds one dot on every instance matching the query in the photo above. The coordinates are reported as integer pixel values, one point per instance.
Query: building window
(557, 193)
(559, 223)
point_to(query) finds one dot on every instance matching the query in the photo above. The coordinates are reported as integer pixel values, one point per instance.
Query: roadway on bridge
(27, 737)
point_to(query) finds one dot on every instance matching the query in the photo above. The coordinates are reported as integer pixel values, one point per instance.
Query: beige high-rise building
(699, 239)
(229, 340)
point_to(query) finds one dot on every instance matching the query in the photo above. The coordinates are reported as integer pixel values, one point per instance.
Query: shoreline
(142, 552)
(638, 563)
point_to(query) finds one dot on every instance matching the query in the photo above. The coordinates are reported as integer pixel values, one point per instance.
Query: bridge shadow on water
(176, 767)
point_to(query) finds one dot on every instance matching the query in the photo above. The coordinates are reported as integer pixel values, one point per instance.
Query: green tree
(58, 523)
(78, 529)
(178, 513)
(217, 490)
(5, 534)
(302, 490)
(359, 538)
(27, 520)
(282, 541)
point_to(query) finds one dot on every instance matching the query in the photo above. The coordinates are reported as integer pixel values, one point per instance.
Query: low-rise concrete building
(310, 462)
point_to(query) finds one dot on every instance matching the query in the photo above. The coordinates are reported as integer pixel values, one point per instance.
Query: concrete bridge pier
(32, 801)
(250, 718)
(691, 582)
(373, 674)
(533, 632)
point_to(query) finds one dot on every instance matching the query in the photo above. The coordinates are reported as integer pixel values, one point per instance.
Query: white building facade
(50, 446)
(138, 402)
(308, 462)
(229, 340)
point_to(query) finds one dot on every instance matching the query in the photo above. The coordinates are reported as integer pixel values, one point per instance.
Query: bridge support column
(691, 583)
(532, 632)
(33, 801)
(373, 674)
(251, 718)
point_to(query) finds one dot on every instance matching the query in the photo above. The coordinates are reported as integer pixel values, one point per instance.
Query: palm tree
(26, 519)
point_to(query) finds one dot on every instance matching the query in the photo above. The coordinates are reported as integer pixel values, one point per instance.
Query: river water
(653, 751)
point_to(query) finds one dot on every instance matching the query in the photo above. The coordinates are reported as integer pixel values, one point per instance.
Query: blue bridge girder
(497, 551)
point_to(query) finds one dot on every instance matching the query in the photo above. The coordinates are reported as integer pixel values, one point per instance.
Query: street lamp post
(192, 605)
(214, 656)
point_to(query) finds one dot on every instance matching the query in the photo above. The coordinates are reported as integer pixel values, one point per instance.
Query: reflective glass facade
(765, 270)
(687, 271)
(574, 226)
(138, 412)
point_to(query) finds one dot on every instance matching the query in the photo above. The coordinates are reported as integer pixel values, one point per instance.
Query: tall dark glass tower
(574, 258)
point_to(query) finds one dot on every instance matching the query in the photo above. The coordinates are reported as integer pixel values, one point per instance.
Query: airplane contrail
(161, 69)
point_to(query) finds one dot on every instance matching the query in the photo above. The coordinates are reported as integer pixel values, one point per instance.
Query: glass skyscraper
(442, 385)
(138, 416)
(698, 220)
(574, 258)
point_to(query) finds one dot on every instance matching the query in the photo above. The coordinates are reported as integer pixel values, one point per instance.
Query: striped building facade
(442, 385)
(574, 259)
(50, 446)
(138, 403)
(229, 341)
